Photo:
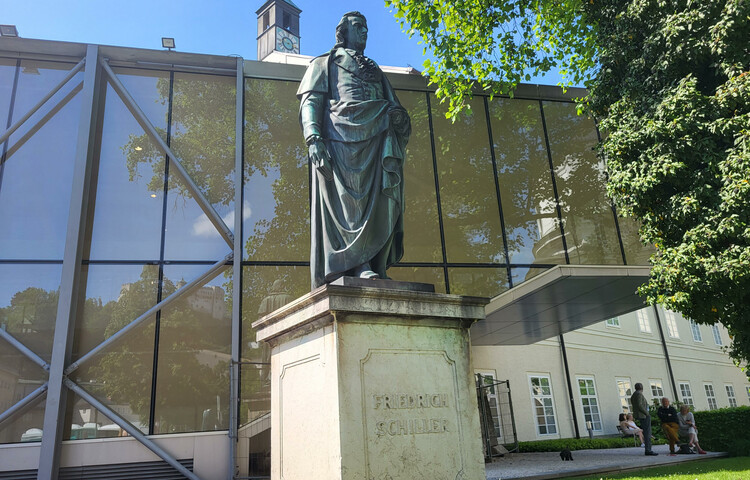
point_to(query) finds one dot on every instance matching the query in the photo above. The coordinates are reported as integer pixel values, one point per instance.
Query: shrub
(725, 430)
(574, 444)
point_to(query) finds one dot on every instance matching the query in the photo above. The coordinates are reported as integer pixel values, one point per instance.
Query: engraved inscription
(417, 424)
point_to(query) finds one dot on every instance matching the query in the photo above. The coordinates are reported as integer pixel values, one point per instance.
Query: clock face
(286, 41)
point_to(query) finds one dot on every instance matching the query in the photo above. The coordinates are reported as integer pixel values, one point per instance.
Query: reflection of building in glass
(493, 201)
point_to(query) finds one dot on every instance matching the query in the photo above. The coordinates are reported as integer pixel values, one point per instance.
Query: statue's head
(351, 32)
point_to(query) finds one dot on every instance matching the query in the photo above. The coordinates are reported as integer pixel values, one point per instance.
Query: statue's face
(356, 33)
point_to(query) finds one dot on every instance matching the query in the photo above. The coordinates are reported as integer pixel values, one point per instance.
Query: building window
(717, 334)
(657, 391)
(624, 392)
(686, 393)
(730, 395)
(287, 21)
(543, 404)
(613, 322)
(266, 21)
(710, 396)
(696, 332)
(643, 324)
(590, 403)
(748, 392)
(671, 324)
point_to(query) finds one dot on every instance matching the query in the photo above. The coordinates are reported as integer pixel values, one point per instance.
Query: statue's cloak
(358, 215)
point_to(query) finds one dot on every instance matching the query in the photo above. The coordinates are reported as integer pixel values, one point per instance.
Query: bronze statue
(356, 131)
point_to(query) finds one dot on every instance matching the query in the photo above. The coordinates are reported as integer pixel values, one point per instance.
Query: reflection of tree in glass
(278, 226)
(587, 212)
(193, 358)
(202, 137)
(528, 201)
(30, 318)
(263, 288)
(421, 226)
(467, 189)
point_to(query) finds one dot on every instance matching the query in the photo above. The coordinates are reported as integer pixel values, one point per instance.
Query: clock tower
(278, 28)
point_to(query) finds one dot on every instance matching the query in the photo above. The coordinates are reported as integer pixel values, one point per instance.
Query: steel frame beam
(41, 102)
(234, 376)
(187, 288)
(145, 123)
(21, 405)
(24, 349)
(128, 427)
(54, 413)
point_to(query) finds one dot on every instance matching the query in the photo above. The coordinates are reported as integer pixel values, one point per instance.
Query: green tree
(668, 79)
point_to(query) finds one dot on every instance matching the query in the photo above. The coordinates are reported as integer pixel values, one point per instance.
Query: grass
(734, 468)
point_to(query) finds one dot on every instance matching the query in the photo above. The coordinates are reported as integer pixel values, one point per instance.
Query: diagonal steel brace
(203, 202)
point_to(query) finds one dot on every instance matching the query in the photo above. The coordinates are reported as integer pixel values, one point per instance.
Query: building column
(54, 414)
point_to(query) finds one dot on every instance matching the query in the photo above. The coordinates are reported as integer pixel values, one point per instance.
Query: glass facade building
(492, 200)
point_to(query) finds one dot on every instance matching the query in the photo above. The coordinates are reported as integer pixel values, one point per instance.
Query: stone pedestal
(372, 383)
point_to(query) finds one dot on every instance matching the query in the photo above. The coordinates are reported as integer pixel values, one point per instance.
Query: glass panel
(421, 225)
(115, 295)
(276, 210)
(192, 379)
(528, 200)
(471, 219)
(39, 158)
(433, 275)
(7, 76)
(19, 376)
(88, 422)
(28, 304)
(520, 275)
(590, 230)
(129, 176)
(202, 137)
(636, 253)
(478, 282)
(264, 289)
(26, 427)
(121, 375)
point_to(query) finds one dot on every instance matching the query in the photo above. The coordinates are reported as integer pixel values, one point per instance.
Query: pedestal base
(373, 384)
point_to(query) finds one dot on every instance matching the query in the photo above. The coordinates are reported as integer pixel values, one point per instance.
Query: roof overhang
(562, 299)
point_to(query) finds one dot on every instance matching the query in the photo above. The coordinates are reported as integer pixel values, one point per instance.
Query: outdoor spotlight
(167, 42)
(8, 31)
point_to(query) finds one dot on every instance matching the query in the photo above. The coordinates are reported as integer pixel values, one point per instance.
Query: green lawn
(736, 468)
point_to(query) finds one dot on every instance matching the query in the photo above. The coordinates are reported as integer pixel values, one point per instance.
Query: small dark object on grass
(565, 455)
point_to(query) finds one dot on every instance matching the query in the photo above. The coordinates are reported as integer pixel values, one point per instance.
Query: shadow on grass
(735, 468)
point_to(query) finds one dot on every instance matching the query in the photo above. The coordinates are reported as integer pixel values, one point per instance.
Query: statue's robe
(358, 215)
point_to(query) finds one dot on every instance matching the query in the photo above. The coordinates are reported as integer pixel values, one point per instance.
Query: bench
(626, 435)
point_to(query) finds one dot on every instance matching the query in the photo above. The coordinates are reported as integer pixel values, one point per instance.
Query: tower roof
(288, 2)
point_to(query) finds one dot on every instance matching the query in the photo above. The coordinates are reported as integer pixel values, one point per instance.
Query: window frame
(686, 399)
(696, 330)
(656, 382)
(717, 335)
(613, 322)
(644, 325)
(549, 396)
(731, 395)
(596, 406)
(625, 404)
(708, 389)
(671, 320)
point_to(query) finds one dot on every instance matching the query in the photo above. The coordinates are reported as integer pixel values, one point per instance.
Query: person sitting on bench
(670, 424)
(688, 428)
(628, 426)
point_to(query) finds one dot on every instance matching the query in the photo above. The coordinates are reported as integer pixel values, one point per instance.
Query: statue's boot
(365, 271)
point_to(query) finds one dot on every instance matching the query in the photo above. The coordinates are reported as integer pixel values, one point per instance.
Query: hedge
(574, 444)
(725, 430)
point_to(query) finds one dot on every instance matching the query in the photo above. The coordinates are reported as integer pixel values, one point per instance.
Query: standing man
(356, 132)
(670, 424)
(640, 412)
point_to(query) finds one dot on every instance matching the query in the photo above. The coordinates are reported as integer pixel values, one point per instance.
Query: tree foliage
(669, 82)
(496, 44)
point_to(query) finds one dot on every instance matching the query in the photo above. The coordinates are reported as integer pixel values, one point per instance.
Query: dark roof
(288, 2)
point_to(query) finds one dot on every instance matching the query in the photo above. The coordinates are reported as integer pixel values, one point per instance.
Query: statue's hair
(343, 27)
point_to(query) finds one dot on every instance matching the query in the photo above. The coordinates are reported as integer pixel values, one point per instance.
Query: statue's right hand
(321, 159)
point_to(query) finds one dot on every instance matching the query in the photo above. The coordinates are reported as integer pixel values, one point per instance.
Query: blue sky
(220, 27)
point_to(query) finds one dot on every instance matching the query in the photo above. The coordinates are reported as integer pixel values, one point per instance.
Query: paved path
(539, 466)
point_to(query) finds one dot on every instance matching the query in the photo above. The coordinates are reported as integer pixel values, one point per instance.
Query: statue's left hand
(320, 157)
